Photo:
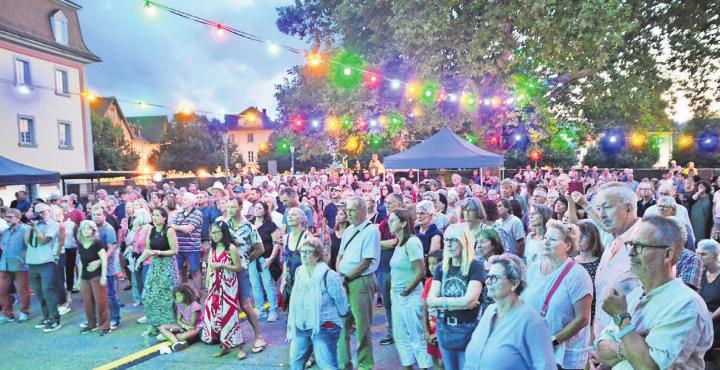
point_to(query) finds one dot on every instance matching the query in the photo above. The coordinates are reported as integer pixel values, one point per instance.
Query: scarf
(306, 286)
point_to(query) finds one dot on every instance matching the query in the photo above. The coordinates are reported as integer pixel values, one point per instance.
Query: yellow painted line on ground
(147, 351)
(132, 357)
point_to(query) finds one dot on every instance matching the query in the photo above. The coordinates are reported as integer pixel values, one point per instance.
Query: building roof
(153, 127)
(28, 23)
(249, 120)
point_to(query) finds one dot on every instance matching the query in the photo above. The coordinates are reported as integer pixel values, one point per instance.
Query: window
(250, 138)
(251, 156)
(26, 131)
(61, 82)
(64, 135)
(22, 72)
(59, 24)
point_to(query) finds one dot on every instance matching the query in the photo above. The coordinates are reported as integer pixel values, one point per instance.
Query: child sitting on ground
(189, 320)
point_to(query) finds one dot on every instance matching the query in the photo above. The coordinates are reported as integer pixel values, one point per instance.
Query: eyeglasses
(307, 252)
(638, 247)
(492, 279)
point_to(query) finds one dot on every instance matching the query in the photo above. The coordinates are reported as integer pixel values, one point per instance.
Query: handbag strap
(555, 286)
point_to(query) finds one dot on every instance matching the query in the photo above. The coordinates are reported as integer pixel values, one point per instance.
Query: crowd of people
(548, 269)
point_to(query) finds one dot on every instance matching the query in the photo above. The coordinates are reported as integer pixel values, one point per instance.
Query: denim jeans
(408, 329)
(452, 360)
(42, 281)
(112, 300)
(262, 280)
(138, 282)
(383, 280)
(323, 346)
(60, 279)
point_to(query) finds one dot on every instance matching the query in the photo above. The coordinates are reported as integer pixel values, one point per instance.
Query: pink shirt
(186, 312)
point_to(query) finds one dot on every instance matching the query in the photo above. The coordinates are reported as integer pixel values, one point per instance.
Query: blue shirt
(210, 214)
(521, 340)
(39, 253)
(108, 236)
(14, 248)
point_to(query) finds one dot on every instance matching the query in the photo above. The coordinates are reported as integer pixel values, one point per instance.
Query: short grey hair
(668, 201)
(669, 230)
(190, 197)
(432, 195)
(570, 232)
(142, 217)
(514, 266)
(623, 191)
(426, 206)
(301, 213)
(359, 201)
(709, 245)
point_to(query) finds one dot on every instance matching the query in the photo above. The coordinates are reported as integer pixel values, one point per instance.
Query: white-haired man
(662, 324)
(188, 227)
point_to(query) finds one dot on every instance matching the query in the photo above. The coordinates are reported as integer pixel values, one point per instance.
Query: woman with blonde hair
(562, 290)
(456, 287)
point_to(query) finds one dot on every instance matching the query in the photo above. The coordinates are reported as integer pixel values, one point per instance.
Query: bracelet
(626, 331)
(617, 352)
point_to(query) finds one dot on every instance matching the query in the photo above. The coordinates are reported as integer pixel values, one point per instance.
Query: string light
(219, 31)
(23, 89)
(273, 48)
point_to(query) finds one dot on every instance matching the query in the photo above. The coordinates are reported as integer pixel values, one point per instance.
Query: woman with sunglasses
(511, 334)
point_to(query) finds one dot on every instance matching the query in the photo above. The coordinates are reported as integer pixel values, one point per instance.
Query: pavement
(24, 347)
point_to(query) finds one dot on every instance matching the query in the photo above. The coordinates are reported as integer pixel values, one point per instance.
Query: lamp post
(292, 159)
(225, 138)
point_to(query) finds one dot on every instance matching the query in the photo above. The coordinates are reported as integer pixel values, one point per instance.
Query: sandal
(222, 352)
(241, 355)
(310, 362)
(258, 348)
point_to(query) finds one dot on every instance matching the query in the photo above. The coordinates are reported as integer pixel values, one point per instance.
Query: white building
(44, 121)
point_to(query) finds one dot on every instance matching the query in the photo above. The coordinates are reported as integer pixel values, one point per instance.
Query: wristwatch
(618, 319)
(555, 341)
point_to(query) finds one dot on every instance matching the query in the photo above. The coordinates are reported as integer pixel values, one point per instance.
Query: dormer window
(60, 27)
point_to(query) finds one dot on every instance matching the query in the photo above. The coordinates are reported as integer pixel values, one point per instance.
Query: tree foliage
(702, 158)
(110, 149)
(189, 147)
(587, 64)
(628, 158)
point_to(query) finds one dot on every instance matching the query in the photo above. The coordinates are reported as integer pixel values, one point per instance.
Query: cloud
(167, 59)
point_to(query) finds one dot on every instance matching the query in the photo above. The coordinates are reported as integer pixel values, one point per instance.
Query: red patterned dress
(221, 321)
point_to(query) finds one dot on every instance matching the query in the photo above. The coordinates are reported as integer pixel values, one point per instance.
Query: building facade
(108, 107)
(44, 119)
(250, 131)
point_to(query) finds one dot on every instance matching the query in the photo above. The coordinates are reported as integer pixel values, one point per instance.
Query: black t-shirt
(266, 230)
(88, 255)
(330, 212)
(455, 286)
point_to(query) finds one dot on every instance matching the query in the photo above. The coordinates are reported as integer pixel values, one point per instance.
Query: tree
(645, 157)
(310, 152)
(189, 147)
(586, 63)
(701, 150)
(110, 149)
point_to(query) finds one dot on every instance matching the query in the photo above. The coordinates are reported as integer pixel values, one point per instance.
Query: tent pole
(418, 175)
(481, 177)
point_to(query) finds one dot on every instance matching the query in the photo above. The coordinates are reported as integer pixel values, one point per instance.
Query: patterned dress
(162, 278)
(221, 321)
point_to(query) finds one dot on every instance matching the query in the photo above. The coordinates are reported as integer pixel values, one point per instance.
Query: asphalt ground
(24, 347)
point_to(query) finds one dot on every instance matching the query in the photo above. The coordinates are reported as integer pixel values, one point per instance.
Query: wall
(47, 108)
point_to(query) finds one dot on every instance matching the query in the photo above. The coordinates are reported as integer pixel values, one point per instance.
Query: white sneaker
(142, 320)
(63, 310)
(272, 316)
(22, 317)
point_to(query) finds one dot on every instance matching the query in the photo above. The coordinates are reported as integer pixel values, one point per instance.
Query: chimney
(264, 113)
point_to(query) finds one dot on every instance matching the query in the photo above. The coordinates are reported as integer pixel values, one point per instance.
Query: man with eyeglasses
(662, 324)
(615, 215)
(357, 262)
(682, 212)
(13, 269)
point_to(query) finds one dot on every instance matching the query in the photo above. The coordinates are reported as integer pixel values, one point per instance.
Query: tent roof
(443, 150)
(14, 173)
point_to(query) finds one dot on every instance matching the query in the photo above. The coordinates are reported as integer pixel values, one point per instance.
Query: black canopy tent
(14, 173)
(443, 150)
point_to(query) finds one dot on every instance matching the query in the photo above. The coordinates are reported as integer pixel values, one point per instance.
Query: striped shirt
(188, 242)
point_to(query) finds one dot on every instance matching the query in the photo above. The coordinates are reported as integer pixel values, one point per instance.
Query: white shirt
(366, 244)
(613, 272)
(675, 323)
(681, 214)
(577, 284)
